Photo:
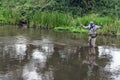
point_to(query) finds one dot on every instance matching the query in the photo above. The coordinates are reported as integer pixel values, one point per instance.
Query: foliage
(106, 21)
(57, 13)
(75, 7)
(50, 20)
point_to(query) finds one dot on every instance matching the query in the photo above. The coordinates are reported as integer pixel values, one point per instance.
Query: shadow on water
(48, 55)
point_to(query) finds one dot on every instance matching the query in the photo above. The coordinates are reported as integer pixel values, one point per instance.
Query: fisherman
(92, 32)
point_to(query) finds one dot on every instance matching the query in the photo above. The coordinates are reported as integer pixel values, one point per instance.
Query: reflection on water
(90, 60)
(114, 65)
(56, 56)
(20, 51)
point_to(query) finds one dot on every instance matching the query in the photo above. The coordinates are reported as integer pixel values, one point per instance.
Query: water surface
(28, 54)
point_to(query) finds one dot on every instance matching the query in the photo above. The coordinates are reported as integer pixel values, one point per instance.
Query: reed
(50, 20)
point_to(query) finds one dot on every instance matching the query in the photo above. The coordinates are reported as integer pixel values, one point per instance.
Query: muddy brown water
(28, 54)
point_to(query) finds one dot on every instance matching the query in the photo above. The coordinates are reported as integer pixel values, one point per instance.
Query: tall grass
(39, 19)
(93, 17)
(108, 23)
(9, 16)
(50, 20)
(60, 21)
(116, 26)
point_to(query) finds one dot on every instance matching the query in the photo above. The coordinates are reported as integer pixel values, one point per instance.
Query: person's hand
(81, 25)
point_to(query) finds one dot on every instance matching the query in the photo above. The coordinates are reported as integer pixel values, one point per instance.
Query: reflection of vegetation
(10, 60)
(64, 68)
(109, 40)
(100, 71)
(70, 63)
(63, 65)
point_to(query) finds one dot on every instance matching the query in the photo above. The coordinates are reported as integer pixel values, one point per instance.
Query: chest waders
(92, 36)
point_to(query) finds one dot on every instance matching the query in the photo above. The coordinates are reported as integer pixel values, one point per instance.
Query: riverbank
(64, 22)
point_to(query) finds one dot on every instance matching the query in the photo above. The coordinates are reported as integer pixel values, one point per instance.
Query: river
(34, 54)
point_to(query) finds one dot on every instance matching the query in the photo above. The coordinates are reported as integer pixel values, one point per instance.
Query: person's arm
(85, 27)
(98, 27)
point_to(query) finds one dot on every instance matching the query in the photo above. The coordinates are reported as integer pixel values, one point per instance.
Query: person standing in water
(92, 32)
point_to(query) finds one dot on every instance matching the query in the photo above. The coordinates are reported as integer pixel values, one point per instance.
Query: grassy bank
(60, 21)
(110, 25)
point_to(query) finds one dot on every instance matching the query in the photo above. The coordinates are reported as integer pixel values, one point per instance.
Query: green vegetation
(50, 20)
(110, 25)
(65, 15)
